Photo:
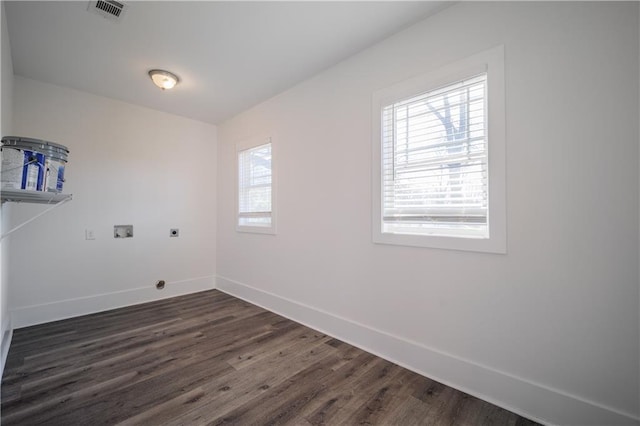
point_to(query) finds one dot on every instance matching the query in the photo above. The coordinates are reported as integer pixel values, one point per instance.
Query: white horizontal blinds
(254, 198)
(434, 162)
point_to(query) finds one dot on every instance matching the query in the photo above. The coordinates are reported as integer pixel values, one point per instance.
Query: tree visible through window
(435, 162)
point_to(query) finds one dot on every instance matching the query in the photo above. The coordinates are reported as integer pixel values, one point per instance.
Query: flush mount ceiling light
(163, 79)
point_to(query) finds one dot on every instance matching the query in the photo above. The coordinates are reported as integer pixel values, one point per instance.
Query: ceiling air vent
(109, 9)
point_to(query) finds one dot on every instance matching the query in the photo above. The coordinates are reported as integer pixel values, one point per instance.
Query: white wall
(6, 114)
(551, 329)
(128, 165)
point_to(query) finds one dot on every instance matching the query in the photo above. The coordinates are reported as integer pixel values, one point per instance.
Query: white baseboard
(37, 314)
(7, 335)
(532, 400)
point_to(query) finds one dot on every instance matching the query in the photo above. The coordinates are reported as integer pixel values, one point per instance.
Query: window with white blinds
(439, 157)
(255, 188)
(434, 161)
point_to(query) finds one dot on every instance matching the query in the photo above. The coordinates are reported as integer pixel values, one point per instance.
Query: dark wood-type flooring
(209, 358)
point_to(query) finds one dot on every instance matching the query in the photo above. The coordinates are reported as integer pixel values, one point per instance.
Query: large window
(440, 145)
(255, 187)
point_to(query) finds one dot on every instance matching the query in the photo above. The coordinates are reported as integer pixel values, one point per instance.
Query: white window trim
(242, 146)
(492, 62)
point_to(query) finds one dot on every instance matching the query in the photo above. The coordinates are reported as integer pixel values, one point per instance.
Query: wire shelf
(39, 197)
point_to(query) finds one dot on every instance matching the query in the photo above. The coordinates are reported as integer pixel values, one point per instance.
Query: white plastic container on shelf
(33, 164)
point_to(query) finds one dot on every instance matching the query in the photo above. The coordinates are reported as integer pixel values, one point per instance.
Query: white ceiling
(229, 55)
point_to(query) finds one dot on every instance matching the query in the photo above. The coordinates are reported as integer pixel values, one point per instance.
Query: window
(255, 190)
(439, 155)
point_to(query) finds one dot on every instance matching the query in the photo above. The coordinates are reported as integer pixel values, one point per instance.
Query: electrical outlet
(89, 235)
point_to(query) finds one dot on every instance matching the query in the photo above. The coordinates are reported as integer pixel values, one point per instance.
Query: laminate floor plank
(143, 312)
(379, 401)
(296, 387)
(294, 340)
(360, 390)
(211, 359)
(241, 387)
(340, 390)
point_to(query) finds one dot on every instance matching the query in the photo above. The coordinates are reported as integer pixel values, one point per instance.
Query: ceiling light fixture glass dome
(163, 79)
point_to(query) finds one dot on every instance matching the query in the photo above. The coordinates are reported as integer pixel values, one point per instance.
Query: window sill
(483, 245)
(256, 230)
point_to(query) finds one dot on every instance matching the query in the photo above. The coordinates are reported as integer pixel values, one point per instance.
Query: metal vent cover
(109, 9)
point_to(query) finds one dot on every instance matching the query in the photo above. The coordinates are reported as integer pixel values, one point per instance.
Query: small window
(441, 140)
(255, 190)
